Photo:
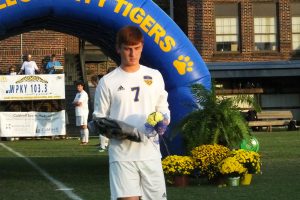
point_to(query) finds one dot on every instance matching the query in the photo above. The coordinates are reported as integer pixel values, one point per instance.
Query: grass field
(84, 171)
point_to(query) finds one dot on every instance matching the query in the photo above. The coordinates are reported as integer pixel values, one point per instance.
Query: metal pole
(21, 47)
(172, 9)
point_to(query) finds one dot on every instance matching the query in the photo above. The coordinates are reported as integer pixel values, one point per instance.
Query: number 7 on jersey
(137, 91)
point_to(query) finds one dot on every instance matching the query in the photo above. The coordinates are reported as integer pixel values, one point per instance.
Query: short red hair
(129, 35)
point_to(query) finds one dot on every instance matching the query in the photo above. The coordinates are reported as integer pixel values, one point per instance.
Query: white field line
(60, 185)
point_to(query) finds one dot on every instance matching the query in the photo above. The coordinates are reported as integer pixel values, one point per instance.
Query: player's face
(130, 54)
(79, 88)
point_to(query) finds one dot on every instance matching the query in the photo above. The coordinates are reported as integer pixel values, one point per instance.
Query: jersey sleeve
(23, 66)
(162, 104)
(101, 100)
(35, 66)
(76, 98)
(83, 97)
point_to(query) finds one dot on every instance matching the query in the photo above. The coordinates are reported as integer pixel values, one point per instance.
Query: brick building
(247, 44)
(40, 44)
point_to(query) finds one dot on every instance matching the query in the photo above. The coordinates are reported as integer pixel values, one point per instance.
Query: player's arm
(22, 69)
(36, 67)
(49, 66)
(162, 104)
(76, 101)
(83, 98)
(101, 100)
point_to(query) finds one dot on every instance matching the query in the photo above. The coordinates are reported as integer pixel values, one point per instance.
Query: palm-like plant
(215, 120)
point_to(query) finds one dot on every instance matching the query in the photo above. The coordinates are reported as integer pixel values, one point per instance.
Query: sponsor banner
(32, 124)
(32, 87)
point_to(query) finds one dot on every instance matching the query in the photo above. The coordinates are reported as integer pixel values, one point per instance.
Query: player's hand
(76, 103)
(161, 127)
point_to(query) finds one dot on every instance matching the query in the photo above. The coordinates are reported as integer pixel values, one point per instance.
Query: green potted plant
(215, 120)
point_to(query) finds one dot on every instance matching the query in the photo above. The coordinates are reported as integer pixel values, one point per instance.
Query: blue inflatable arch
(166, 46)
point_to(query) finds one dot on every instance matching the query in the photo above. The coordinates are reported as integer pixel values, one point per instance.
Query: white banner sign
(32, 124)
(32, 87)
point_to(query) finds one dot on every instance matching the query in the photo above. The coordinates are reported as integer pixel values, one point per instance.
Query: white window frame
(296, 33)
(227, 33)
(265, 33)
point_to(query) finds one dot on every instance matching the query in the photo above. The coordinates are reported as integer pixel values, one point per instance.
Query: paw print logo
(183, 64)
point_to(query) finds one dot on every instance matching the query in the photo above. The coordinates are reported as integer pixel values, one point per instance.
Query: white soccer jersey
(29, 67)
(131, 97)
(84, 108)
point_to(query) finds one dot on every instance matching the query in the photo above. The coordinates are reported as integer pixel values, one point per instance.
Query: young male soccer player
(82, 112)
(130, 93)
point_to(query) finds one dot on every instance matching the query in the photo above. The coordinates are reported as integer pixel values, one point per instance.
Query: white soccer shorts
(81, 120)
(137, 178)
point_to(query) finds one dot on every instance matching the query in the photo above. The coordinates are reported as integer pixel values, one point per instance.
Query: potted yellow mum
(177, 168)
(231, 168)
(250, 160)
(207, 157)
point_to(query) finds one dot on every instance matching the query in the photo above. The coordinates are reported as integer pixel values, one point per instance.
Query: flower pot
(233, 181)
(219, 180)
(181, 181)
(246, 179)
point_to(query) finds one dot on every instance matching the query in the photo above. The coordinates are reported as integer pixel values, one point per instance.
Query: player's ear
(118, 49)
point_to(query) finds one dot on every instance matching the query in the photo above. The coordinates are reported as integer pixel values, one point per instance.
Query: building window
(296, 33)
(295, 9)
(226, 23)
(265, 27)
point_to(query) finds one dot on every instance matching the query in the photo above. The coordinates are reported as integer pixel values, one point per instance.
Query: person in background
(130, 93)
(95, 79)
(12, 70)
(50, 65)
(29, 66)
(103, 141)
(82, 112)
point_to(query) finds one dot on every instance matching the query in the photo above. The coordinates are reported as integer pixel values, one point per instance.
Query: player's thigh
(85, 119)
(81, 120)
(152, 180)
(78, 120)
(124, 180)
